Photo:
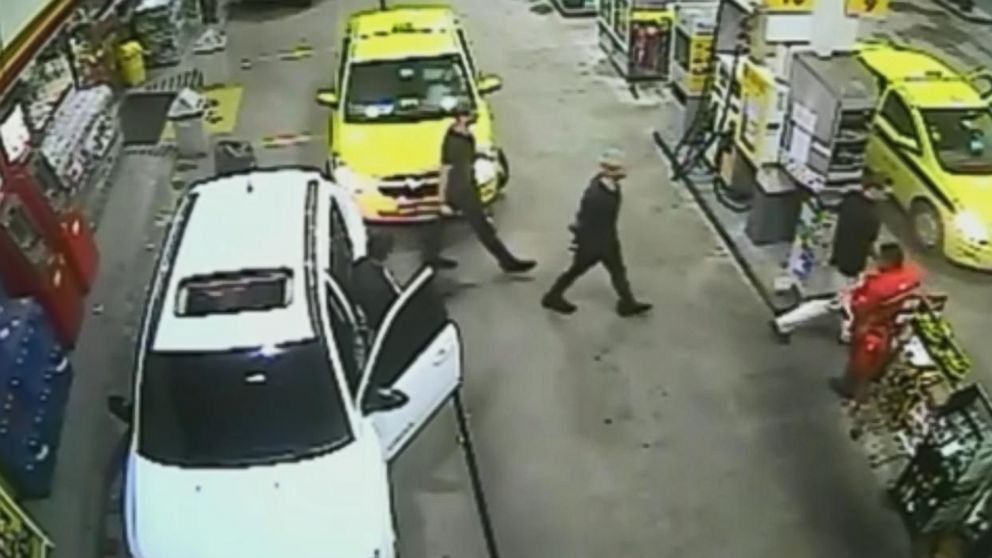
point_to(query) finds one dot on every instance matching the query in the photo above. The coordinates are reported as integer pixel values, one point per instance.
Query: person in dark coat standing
(458, 191)
(596, 240)
(855, 234)
(373, 284)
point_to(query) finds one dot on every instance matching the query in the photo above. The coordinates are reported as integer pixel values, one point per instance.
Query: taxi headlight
(971, 226)
(485, 170)
(356, 183)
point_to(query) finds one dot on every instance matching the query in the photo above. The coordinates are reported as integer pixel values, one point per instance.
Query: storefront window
(622, 8)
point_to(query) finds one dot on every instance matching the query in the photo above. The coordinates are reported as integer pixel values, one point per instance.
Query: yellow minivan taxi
(932, 144)
(403, 70)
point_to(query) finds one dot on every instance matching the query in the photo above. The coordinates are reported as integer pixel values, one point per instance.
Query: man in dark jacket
(596, 240)
(857, 230)
(458, 190)
(373, 285)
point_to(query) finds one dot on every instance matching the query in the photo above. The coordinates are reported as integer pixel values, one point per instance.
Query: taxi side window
(468, 54)
(341, 249)
(896, 112)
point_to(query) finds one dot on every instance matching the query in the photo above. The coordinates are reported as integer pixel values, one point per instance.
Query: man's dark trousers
(587, 256)
(470, 206)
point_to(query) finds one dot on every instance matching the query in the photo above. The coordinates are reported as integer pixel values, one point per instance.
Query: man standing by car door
(597, 240)
(458, 191)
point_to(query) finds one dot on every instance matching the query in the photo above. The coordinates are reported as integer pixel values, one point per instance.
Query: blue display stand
(35, 377)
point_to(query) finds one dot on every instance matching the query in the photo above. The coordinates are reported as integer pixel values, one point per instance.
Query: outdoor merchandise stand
(636, 36)
(926, 426)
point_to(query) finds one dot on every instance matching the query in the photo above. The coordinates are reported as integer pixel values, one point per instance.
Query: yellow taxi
(402, 72)
(932, 144)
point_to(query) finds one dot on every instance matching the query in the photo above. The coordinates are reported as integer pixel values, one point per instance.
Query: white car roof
(251, 221)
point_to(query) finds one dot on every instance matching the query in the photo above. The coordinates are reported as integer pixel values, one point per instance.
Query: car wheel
(504, 165)
(928, 229)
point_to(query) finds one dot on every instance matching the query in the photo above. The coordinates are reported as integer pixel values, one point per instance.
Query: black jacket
(857, 230)
(596, 223)
(374, 289)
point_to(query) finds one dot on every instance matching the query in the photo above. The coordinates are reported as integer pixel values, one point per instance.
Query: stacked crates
(35, 376)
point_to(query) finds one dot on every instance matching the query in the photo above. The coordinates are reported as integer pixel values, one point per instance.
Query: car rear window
(230, 293)
(236, 408)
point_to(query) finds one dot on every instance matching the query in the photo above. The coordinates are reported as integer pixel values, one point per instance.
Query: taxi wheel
(927, 225)
(504, 165)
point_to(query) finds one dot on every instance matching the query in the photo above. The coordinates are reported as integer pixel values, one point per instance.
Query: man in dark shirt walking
(373, 284)
(596, 240)
(458, 190)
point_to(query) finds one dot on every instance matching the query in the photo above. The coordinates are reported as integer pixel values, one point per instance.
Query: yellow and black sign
(789, 5)
(754, 83)
(866, 7)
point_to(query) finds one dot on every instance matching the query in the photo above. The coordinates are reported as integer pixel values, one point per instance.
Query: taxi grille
(410, 186)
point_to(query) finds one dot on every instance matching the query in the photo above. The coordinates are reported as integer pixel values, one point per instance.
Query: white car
(264, 412)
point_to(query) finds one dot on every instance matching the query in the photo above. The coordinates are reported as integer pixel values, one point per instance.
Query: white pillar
(833, 30)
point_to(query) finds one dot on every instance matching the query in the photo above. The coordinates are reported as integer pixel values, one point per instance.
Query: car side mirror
(327, 98)
(384, 399)
(489, 83)
(120, 408)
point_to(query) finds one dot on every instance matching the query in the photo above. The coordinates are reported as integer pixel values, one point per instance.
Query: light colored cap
(612, 157)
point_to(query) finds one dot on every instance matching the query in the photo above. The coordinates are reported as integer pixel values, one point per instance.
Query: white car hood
(335, 506)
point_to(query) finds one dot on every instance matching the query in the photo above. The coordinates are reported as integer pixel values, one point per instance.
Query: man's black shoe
(558, 304)
(782, 337)
(632, 308)
(518, 266)
(442, 263)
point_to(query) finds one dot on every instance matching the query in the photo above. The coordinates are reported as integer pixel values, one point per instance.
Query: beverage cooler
(636, 36)
(36, 261)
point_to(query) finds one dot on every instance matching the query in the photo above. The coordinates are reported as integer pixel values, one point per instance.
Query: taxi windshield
(961, 138)
(406, 90)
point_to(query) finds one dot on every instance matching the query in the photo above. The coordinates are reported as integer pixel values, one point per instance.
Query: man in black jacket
(458, 191)
(596, 240)
(373, 285)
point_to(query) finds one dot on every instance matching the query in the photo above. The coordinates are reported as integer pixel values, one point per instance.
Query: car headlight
(356, 183)
(971, 226)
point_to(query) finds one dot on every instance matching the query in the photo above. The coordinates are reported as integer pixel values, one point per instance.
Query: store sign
(753, 83)
(866, 7)
(789, 5)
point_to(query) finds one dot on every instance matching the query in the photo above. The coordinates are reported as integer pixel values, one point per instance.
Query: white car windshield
(406, 90)
(961, 138)
(240, 407)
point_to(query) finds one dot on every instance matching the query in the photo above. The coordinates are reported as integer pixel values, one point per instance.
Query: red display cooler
(34, 266)
(68, 231)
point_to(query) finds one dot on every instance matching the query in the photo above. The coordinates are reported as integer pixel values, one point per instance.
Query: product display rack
(636, 37)
(926, 426)
(158, 25)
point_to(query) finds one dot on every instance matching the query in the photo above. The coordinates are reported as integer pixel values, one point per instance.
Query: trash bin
(131, 61)
(210, 54)
(186, 115)
(231, 156)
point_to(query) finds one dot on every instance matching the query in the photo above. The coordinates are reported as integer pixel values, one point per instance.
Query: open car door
(414, 367)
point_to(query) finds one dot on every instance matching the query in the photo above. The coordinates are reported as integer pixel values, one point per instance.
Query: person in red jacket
(874, 304)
